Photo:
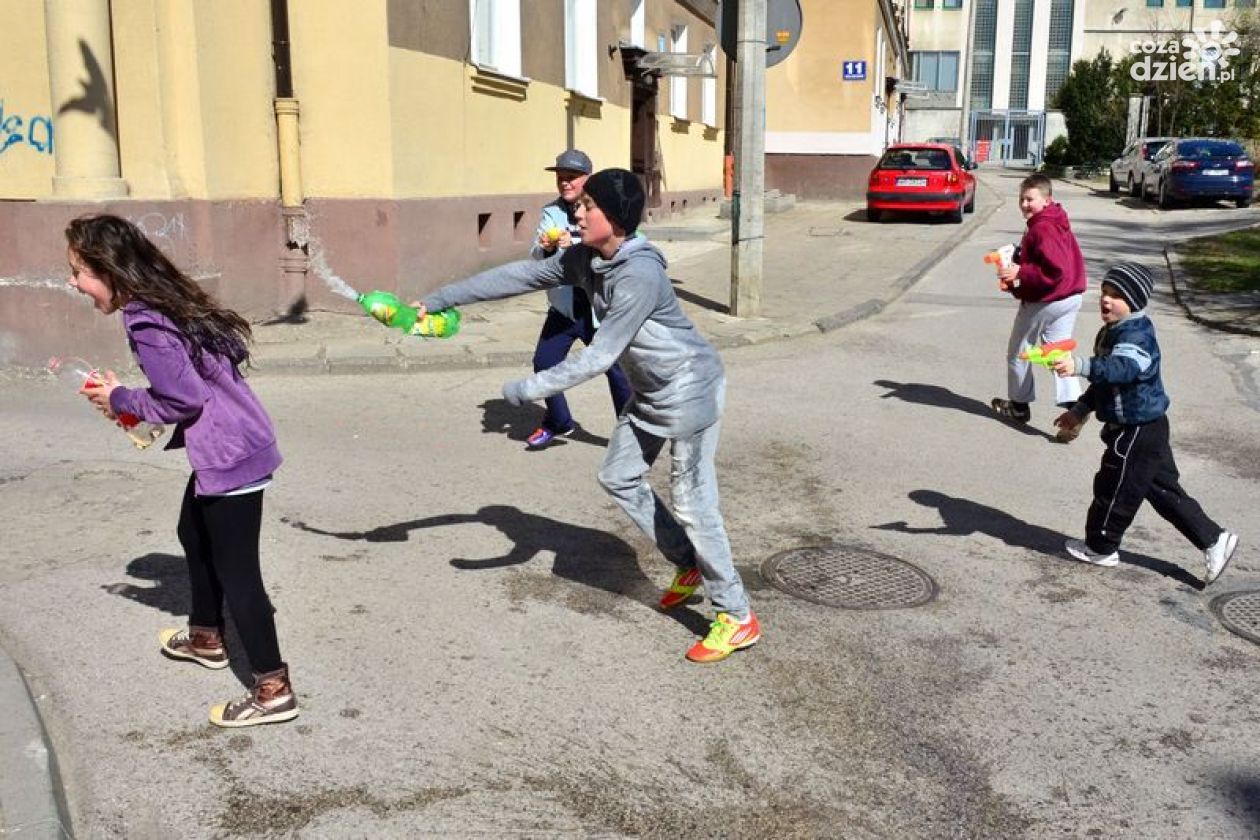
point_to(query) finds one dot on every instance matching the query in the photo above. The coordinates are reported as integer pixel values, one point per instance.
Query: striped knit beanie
(1132, 281)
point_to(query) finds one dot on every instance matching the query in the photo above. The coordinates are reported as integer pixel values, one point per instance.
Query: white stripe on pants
(1039, 323)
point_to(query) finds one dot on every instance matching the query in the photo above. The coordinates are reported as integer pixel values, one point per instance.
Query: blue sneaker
(543, 436)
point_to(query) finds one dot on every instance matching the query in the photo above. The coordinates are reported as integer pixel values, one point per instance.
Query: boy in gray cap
(569, 317)
(679, 388)
(1127, 392)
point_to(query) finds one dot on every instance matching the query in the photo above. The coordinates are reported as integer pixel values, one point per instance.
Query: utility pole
(748, 201)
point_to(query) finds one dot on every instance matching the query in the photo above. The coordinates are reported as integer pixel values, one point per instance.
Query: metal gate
(1011, 138)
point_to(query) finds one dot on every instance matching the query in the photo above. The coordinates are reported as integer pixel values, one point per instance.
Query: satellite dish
(783, 28)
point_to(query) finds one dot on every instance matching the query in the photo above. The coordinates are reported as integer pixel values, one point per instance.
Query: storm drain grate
(1240, 613)
(849, 577)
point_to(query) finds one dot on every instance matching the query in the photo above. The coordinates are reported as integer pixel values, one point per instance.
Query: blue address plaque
(854, 71)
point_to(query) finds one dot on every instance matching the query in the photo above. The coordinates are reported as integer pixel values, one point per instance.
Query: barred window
(1021, 53)
(982, 55)
(1059, 59)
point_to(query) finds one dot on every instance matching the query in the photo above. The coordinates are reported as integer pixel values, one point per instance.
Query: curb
(32, 800)
(908, 279)
(1199, 319)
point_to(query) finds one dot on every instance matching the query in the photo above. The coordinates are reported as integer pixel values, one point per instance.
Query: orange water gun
(1001, 258)
(1049, 353)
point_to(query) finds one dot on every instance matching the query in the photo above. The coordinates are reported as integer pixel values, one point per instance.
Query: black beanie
(1133, 282)
(618, 193)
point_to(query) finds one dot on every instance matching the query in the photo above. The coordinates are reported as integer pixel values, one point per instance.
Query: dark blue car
(1205, 168)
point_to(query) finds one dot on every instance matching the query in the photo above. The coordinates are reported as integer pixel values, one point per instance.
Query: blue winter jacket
(1124, 380)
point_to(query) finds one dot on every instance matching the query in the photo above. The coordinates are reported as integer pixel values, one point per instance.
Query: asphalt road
(471, 635)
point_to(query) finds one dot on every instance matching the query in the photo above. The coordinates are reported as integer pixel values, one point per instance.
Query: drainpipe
(294, 263)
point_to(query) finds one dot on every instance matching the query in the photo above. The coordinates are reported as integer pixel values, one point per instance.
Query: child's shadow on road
(170, 594)
(583, 555)
(942, 397)
(963, 517)
(500, 417)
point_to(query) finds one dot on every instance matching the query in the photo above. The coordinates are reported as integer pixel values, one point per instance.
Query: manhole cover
(1240, 613)
(849, 577)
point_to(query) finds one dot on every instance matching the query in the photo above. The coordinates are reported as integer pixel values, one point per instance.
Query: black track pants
(1138, 466)
(220, 539)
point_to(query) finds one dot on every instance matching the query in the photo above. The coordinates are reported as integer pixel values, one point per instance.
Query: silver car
(1132, 170)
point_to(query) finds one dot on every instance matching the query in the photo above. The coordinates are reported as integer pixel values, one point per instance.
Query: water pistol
(1002, 258)
(1049, 353)
(392, 312)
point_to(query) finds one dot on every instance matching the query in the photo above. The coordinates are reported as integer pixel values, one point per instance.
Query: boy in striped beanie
(1127, 393)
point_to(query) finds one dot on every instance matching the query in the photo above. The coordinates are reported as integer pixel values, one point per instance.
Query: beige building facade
(267, 146)
(831, 107)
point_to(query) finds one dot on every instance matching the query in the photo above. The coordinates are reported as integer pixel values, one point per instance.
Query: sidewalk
(818, 276)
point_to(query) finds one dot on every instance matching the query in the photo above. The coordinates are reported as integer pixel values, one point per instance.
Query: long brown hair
(136, 269)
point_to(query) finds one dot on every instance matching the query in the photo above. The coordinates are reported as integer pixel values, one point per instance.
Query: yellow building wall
(342, 78)
(237, 84)
(691, 155)
(805, 92)
(26, 161)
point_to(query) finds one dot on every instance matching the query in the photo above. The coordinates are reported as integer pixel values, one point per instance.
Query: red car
(923, 177)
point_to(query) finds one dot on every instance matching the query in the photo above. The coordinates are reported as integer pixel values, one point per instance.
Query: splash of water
(58, 283)
(319, 265)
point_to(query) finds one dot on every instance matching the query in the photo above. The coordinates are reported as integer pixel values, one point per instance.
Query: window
(496, 35)
(1021, 54)
(1184, 4)
(1245, 4)
(1213, 4)
(638, 36)
(581, 61)
(678, 84)
(951, 4)
(936, 70)
(923, 4)
(1156, 4)
(1059, 54)
(982, 55)
(708, 92)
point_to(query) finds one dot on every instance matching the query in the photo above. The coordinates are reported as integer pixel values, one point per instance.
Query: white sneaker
(1218, 554)
(1082, 552)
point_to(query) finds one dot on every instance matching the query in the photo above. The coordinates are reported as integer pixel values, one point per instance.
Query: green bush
(1057, 151)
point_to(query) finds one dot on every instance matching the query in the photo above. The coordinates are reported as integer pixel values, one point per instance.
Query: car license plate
(1215, 171)
(912, 182)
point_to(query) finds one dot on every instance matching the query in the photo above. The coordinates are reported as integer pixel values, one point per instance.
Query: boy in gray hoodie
(679, 387)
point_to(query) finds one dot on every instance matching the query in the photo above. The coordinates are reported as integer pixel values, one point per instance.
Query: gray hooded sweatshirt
(677, 376)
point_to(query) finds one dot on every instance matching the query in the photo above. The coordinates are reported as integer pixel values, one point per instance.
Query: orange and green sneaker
(726, 635)
(685, 584)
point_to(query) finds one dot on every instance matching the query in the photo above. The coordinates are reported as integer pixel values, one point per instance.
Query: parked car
(1129, 171)
(932, 177)
(1201, 168)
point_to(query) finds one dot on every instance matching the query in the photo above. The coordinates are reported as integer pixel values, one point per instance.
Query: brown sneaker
(203, 645)
(271, 700)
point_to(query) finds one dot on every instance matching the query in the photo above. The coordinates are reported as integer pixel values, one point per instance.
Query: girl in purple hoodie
(191, 350)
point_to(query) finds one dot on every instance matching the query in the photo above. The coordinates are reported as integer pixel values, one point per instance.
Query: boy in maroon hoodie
(1048, 279)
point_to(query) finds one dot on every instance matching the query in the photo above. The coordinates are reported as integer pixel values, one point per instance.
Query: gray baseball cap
(574, 160)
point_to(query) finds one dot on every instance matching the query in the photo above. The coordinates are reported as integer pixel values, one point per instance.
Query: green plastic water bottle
(392, 312)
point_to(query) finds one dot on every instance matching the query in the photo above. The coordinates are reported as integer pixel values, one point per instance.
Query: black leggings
(220, 539)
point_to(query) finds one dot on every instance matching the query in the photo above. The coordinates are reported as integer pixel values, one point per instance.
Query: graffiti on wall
(165, 230)
(16, 130)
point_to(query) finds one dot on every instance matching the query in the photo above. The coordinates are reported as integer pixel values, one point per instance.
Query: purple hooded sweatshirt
(228, 436)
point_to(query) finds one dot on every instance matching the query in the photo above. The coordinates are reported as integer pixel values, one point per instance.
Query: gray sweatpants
(1039, 323)
(693, 535)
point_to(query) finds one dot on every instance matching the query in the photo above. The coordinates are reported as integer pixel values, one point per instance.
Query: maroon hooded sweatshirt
(1051, 266)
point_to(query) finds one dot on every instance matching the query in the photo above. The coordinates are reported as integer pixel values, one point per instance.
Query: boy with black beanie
(679, 388)
(1127, 393)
